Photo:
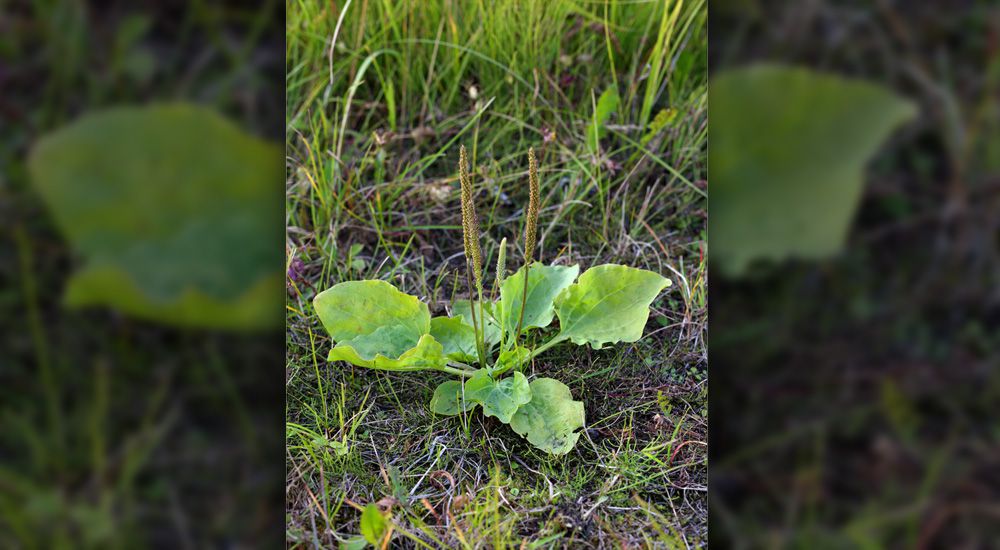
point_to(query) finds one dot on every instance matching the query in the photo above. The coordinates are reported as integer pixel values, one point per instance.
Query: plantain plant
(375, 325)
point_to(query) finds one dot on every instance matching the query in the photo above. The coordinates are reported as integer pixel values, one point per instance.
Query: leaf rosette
(377, 326)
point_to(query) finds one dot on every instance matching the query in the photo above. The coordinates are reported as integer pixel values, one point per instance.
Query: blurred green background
(855, 368)
(153, 199)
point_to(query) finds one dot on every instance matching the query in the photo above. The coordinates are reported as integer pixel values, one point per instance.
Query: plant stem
(501, 319)
(524, 300)
(527, 357)
(498, 309)
(559, 338)
(462, 365)
(472, 312)
(481, 342)
(457, 372)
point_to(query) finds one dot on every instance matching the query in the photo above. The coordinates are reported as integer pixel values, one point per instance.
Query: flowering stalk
(473, 254)
(530, 230)
(500, 275)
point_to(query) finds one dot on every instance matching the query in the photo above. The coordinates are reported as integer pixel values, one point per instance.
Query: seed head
(470, 225)
(501, 263)
(531, 223)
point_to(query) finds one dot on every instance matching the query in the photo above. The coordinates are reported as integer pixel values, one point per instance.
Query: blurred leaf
(174, 211)
(789, 147)
(606, 105)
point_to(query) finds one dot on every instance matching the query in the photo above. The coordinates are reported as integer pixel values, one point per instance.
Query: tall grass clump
(365, 77)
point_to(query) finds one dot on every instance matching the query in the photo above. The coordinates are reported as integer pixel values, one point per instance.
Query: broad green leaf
(545, 282)
(448, 399)
(550, 420)
(372, 318)
(427, 354)
(499, 398)
(512, 359)
(373, 524)
(478, 385)
(172, 210)
(457, 338)
(461, 309)
(609, 304)
(606, 105)
(789, 148)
